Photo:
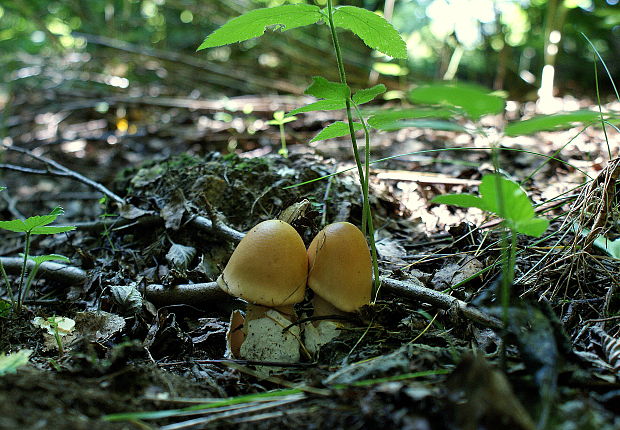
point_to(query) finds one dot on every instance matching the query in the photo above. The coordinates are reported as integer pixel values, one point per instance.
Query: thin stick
(65, 171)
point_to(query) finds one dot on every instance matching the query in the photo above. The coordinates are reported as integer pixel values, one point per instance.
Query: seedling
(279, 119)
(374, 31)
(34, 225)
(57, 327)
(506, 199)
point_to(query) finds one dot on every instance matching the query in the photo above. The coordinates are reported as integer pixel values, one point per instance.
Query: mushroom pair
(270, 269)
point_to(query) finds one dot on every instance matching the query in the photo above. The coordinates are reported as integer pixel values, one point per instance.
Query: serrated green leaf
(373, 29)
(321, 105)
(550, 122)
(368, 94)
(32, 222)
(474, 101)
(11, 362)
(336, 129)
(462, 200)
(37, 224)
(52, 229)
(254, 23)
(321, 88)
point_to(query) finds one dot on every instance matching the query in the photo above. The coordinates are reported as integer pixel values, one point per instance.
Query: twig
(196, 294)
(206, 224)
(208, 292)
(439, 299)
(118, 223)
(65, 171)
(49, 270)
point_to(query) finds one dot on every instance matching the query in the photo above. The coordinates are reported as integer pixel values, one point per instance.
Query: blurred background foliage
(146, 47)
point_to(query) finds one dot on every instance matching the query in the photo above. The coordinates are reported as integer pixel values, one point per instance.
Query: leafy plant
(506, 199)
(374, 31)
(57, 327)
(280, 119)
(38, 224)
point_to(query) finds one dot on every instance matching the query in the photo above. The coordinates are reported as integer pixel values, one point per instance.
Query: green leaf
(612, 247)
(319, 106)
(254, 23)
(516, 204)
(368, 94)
(279, 118)
(31, 223)
(474, 101)
(40, 259)
(37, 224)
(321, 88)
(516, 208)
(11, 362)
(532, 227)
(5, 308)
(550, 122)
(373, 29)
(337, 129)
(52, 229)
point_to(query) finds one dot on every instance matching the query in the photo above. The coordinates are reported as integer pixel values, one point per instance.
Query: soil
(399, 364)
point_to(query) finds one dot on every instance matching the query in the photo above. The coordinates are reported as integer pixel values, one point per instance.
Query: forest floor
(140, 346)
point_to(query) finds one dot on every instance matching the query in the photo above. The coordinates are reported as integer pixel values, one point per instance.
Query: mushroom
(268, 269)
(340, 276)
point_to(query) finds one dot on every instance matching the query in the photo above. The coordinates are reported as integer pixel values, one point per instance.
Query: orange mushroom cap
(340, 266)
(269, 267)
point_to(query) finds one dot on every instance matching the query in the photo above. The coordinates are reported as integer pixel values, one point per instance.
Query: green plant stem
(283, 150)
(343, 80)
(31, 277)
(367, 223)
(23, 274)
(365, 191)
(61, 349)
(9, 290)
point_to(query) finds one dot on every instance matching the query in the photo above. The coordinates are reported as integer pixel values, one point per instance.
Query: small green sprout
(37, 224)
(57, 327)
(280, 119)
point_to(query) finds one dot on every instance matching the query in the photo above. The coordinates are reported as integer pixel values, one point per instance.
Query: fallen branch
(207, 292)
(210, 292)
(198, 222)
(48, 270)
(440, 300)
(195, 294)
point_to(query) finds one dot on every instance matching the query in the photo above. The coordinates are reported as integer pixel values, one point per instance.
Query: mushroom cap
(269, 267)
(340, 266)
